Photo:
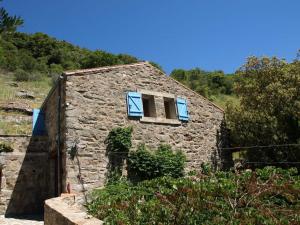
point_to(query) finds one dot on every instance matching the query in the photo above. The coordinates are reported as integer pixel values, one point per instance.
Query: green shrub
(118, 145)
(119, 140)
(36, 76)
(144, 164)
(5, 147)
(268, 196)
(22, 75)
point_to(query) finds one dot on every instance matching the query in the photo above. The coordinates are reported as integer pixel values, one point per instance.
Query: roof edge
(95, 70)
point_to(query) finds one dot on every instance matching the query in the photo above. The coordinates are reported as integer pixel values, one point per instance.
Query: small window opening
(170, 110)
(149, 106)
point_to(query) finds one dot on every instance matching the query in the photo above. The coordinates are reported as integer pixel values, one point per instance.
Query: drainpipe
(58, 164)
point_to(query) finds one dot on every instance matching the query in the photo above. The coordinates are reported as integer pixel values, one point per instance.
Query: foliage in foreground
(143, 164)
(266, 196)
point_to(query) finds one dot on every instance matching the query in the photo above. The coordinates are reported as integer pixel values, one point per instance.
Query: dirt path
(28, 220)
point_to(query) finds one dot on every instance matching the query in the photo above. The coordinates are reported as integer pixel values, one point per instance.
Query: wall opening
(170, 109)
(149, 106)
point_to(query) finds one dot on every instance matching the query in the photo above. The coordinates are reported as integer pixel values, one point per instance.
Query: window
(141, 105)
(182, 109)
(134, 104)
(170, 110)
(149, 106)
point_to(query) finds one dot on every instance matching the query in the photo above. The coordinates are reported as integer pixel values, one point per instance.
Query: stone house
(85, 105)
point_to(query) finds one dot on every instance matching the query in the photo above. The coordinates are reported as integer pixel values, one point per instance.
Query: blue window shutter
(182, 109)
(135, 104)
(38, 123)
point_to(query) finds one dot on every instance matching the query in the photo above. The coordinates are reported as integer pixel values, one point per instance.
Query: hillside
(214, 85)
(30, 63)
(39, 53)
(17, 99)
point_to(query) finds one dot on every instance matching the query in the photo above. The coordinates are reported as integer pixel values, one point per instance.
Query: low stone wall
(23, 175)
(65, 211)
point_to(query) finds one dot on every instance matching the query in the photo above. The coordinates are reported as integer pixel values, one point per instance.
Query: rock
(25, 94)
(22, 107)
(1, 162)
(13, 84)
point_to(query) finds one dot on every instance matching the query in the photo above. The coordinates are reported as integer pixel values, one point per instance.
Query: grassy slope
(222, 100)
(16, 122)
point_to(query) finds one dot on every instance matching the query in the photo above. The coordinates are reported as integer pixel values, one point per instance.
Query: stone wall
(64, 211)
(24, 179)
(53, 108)
(96, 103)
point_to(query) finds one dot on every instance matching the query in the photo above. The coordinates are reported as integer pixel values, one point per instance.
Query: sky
(209, 34)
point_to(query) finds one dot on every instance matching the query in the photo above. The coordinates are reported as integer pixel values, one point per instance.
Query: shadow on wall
(73, 156)
(31, 187)
(116, 165)
(222, 158)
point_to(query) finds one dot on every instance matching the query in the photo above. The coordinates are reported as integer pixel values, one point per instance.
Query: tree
(9, 23)
(269, 110)
(127, 59)
(206, 83)
(156, 65)
(179, 75)
(99, 58)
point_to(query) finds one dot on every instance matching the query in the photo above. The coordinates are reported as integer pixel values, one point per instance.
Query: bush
(5, 147)
(118, 145)
(22, 75)
(119, 140)
(266, 196)
(143, 164)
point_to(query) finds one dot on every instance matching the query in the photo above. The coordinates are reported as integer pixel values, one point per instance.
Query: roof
(99, 69)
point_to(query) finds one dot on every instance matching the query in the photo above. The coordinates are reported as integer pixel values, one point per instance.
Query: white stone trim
(160, 120)
(156, 93)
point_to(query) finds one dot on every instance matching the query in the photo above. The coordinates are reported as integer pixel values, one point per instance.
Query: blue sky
(210, 34)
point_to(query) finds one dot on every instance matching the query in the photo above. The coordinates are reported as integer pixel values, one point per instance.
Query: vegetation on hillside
(39, 53)
(215, 85)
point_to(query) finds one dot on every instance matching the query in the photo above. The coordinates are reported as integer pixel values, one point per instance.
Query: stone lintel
(160, 120)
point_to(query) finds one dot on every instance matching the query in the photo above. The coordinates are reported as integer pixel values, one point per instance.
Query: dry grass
(12, 128)
(8, 90)
(222, 100)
